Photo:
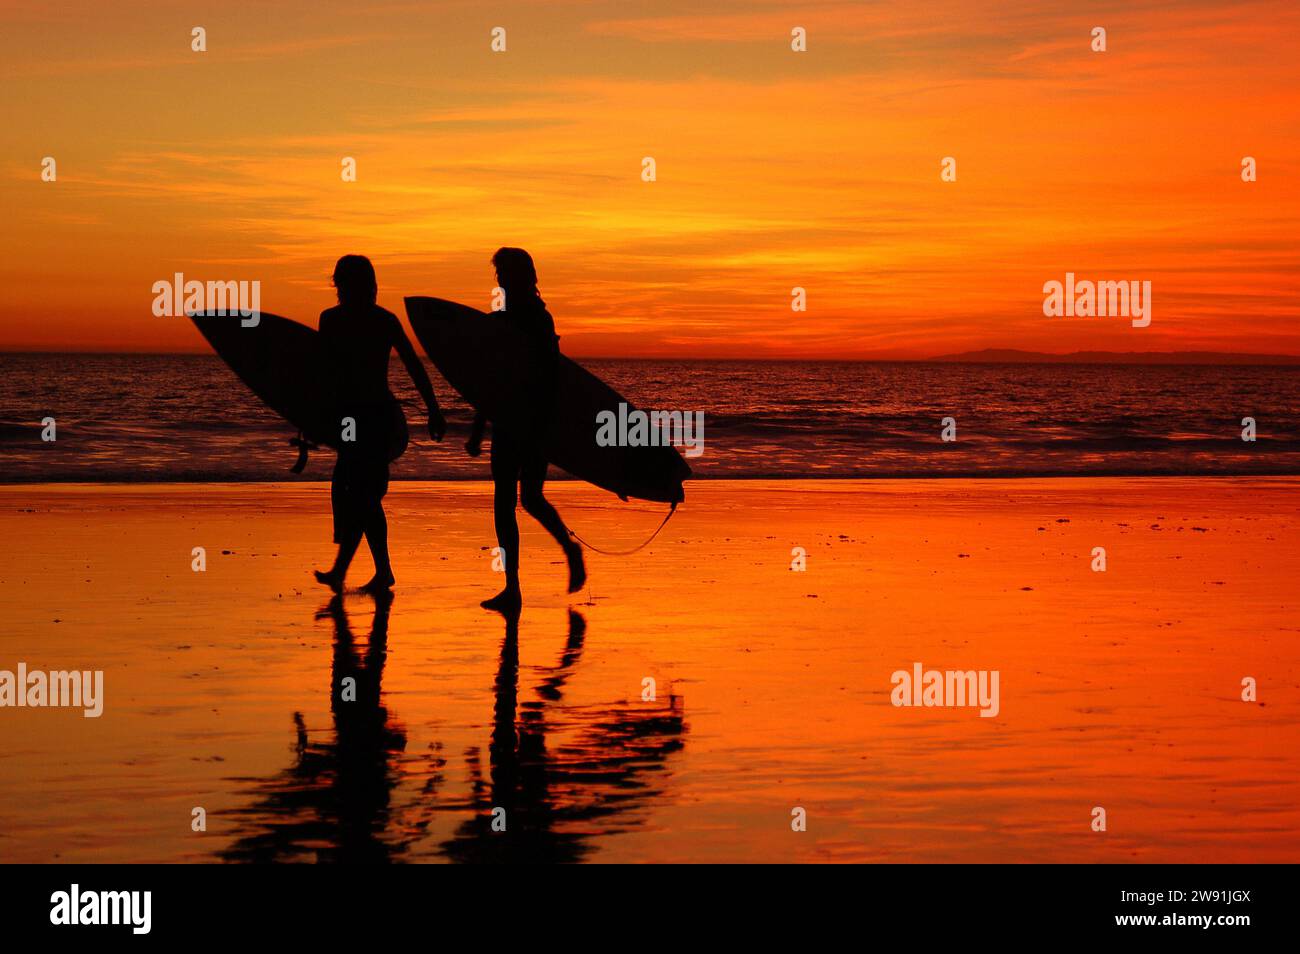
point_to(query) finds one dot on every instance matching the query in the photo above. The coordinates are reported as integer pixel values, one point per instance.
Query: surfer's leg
(505, 479)
(347, 528)
(531, 481)
(347, 549)
(377, 538)
(376, 531)
(503, 514)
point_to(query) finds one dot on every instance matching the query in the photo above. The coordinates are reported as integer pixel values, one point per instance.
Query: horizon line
(958, 357)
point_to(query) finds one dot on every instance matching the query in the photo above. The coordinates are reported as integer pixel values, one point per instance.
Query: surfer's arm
(437, 425)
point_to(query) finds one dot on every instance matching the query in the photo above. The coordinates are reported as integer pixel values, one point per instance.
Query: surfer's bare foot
(332, 580)
(507, 601)
(379, 583)
(577, 568)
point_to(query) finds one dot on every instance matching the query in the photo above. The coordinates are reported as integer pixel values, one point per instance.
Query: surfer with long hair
(358, 337)
(518, 460)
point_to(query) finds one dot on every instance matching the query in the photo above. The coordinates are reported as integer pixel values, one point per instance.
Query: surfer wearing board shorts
(518, 461)
(358, 337)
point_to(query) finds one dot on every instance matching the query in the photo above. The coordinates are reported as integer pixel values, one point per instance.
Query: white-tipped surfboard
(284, 365)
(486, 358)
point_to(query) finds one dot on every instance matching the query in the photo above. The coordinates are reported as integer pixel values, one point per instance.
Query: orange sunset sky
(775, 168)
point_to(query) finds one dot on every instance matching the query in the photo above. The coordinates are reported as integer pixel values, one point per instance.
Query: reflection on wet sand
(335, 802)
(551, 793)
(1119, 689)
(555, 770)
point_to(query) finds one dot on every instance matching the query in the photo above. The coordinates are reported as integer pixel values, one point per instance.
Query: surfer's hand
(473, 447)
(437, 425)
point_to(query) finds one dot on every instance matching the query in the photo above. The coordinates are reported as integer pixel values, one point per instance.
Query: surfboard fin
(303, 446)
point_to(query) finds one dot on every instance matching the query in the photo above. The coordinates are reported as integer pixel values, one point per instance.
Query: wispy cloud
(775, 169)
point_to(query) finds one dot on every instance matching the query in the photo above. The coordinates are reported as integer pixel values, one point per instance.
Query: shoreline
(694, 479)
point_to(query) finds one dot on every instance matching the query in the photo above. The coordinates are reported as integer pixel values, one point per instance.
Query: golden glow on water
(1118, 689)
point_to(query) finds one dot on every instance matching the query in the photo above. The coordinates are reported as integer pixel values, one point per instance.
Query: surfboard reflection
(566, 776)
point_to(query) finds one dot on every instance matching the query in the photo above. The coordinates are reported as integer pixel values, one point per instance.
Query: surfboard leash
(671, 510)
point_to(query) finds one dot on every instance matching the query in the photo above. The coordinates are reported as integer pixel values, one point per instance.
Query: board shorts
(516, 460)
(360, 479)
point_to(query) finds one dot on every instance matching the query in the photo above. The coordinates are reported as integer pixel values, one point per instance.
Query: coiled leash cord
(672, 510)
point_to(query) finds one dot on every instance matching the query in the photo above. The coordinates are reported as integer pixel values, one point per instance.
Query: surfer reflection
(518, 463)
(559, 775)
(336, 802)
(358, 337)
(565, 774)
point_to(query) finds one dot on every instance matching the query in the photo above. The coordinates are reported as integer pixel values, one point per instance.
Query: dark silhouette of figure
(336, 802)
(518, 461)
(358, 337)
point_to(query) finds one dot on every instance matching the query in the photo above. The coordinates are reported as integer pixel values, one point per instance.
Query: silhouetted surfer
(358, 337)
(518, 462)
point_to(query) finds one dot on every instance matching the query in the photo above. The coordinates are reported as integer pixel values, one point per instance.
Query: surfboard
(283, 363)
(486, 358)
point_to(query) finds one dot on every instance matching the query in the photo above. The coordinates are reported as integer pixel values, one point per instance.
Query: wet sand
(1118, 689)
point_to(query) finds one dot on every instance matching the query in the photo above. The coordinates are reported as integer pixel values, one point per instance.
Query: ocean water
(187, 418)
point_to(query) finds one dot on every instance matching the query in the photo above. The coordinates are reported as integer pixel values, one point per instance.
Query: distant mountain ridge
(1015, 356)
